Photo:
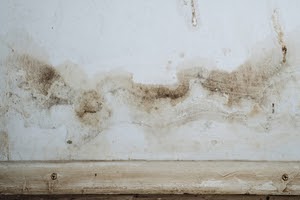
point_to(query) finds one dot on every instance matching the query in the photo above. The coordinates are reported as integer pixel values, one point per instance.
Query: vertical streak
(280, 34)
(194, 18)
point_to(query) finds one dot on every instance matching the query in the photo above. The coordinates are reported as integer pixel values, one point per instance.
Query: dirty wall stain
(44, 88)
(249, 81)
(160, 106)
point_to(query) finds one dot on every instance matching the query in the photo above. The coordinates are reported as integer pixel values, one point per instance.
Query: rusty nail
(53, 176)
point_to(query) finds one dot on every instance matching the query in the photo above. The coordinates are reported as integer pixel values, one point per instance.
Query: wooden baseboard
(150, 177)
(149, 197)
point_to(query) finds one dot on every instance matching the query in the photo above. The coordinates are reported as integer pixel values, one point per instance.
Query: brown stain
(146, 97)
(88, 107)
(249, 81)
(148, 94)
(280, 34)
(41, 78)
(48, 89)
(39, 74)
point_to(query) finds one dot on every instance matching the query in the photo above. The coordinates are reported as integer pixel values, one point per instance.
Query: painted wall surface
(149, 80)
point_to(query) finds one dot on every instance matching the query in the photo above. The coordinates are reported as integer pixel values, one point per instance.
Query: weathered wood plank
(150, 177)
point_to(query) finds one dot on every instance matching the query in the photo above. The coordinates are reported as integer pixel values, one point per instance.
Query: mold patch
(90, 108)
(240, 96)
(148, 95)
(39, 75)
(248, 82)
(200, 95)
(43, 80)
(46, 87)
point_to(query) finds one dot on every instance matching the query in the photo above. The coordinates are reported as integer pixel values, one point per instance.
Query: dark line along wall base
(148, 197)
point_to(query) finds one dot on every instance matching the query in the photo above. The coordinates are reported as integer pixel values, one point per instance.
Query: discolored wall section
(153, 81)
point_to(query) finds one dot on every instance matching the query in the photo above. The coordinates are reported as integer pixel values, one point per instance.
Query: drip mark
(280, 35)
(194, 19)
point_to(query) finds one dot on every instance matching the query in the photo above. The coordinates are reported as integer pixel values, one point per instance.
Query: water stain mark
(249, 81)
(39, 74)
(280, 34)
(194, 17)
(43, 80)
(48, 88)
(148, 94)
(89, 106)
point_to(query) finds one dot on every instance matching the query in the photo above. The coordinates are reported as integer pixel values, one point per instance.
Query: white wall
(101, 45)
